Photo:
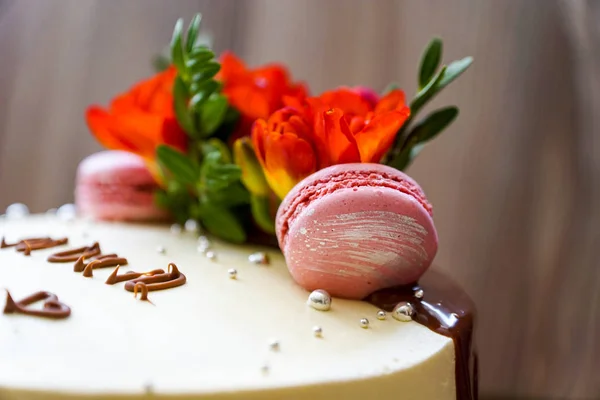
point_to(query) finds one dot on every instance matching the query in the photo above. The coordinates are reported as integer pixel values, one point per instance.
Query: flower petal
(286, 159)
(377, 137)
(394, 100)
(349, 101)
(339, 141)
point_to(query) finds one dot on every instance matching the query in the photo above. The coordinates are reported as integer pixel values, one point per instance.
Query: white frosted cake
(235, 330)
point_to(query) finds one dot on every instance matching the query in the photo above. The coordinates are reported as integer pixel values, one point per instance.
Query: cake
(240, 239)
(216, 337)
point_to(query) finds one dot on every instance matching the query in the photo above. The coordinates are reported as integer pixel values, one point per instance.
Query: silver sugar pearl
(381, 315)
(404, 311)
(274, 345)
(232, 273)
(317, 331)
(319, 300)
(161, 249)
(364, 323)
(259, 258)
(191, 225)
(419, 294)
(211, 255)
(17, 210)
(203, 244)
(175, 229)
(265, 368)
(67, 212)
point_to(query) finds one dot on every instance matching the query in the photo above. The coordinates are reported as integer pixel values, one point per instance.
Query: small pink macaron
(352, 229)
(116, 186)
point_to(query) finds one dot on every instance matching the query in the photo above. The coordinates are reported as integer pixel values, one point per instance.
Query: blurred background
(515, 182)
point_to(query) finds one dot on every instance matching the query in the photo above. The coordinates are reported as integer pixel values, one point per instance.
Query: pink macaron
(352, 229)
(116, 186)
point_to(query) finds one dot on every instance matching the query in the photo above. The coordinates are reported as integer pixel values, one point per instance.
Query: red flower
(140, 120)
(340, 126)
(256, 93)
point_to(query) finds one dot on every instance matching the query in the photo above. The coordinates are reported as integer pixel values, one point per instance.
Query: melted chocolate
(52, 307)
(75, 254)
(26, 246)
(171, 279)
(114, 277)
(446, 309)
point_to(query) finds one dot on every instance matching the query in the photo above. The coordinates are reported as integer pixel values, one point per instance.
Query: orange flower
(340, 126)
(256, 93)
(140, 120)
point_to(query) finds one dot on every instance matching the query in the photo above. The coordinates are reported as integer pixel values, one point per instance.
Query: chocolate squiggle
(101, 262)
(127, 276)
(143, 289)
(26, 246)
(74, 254)
(52, 307)
(171, 279)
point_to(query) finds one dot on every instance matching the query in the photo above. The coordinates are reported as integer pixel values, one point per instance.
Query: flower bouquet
(226, 142)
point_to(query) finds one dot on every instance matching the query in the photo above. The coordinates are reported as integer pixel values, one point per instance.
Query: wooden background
(515, 182)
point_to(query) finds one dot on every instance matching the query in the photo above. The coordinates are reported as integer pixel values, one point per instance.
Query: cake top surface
(212, 336)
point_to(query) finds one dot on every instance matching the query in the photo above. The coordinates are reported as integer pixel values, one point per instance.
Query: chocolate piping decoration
(74, 254)
(143, 289)
(171, 279)
(114, 277)
(446, 309)
(27, 245)
(105, 262)
(4, 245)
(52, 307)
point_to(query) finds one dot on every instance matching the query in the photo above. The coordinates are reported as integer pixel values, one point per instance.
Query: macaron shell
(116, 186)
(355, 241)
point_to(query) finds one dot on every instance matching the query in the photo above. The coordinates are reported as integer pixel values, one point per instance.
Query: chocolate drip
(143, 289)
(446, 309)
(100, 262)
(52, 307)
(171, 279)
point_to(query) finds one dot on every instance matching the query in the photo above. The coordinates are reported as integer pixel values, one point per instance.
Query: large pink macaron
(353, 229)
(116, 186)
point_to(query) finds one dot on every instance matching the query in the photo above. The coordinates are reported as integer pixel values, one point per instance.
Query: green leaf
(180, 104)
(217, 175)
(212, 114)
(222, 223)
(192, 32)
(201, 72)
(427, 93)
(233, 195)
(259, 206)
(182, 168)
(198, 56)
(406, 157)
(216, 145)
(202, 92)
(430, 62)
(454, 70)
(177, 55)
(161, 199)
(433, 124)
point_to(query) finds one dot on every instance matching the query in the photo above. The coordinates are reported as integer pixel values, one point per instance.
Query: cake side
(210, 338)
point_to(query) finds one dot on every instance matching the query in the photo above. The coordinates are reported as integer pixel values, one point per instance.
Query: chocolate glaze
(171, 279)
(74, 254)
(114, 277)
(446, 309)
(26, 246)
(52, 307)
